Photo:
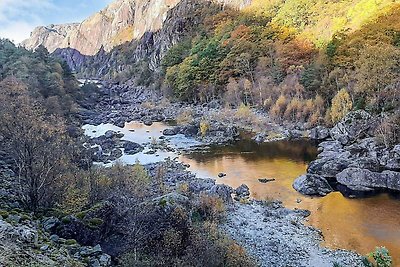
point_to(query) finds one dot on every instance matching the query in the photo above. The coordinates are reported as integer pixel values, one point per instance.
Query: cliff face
(151, 47)
(122, 21)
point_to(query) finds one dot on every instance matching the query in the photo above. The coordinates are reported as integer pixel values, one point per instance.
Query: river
(354, 224)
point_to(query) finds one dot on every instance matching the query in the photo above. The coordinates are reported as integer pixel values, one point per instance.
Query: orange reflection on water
(356, 224)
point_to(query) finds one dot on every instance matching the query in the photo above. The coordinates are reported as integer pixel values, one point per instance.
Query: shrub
(184, 117)
(243, 112)
(380, 258)
(277, 110)
(204, 127)
(341, 105)
(210, 207)
(388, 131)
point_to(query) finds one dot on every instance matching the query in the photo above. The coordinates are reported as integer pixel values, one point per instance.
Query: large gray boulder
(328, 167)
(353, 126)
(312, 184)
(361, 179)
(131, 148)
(392, 180)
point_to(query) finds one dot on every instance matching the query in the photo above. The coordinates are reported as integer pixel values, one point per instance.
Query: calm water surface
(357, 224)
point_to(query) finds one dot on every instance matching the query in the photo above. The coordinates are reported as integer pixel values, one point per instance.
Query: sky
(19, 17)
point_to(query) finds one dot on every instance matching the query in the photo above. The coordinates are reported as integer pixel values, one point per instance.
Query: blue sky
(19, 17)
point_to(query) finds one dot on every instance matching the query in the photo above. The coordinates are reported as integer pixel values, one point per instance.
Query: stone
(221, 174)
(353, 126)
(170, 132)
(110, 134)
(222, 191)
(91, 251)
(396, 149)
(55, 238)
(242, 191)
(131, 148)
(312, 184)
(392, 180)
(50, 224)
(361, 179)
(266, 180)
(319, 133)
(328, 167)
(198, 185)
(105, 260)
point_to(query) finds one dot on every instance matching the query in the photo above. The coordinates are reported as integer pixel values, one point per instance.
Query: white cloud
(19, 17)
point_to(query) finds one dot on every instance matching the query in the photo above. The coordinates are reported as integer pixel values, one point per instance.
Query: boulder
(198, 185)
(312, 184)
(396, 149)
(110, 134)
(392, 180)
(319, 133)
(368, 163)
(132, 148)
(353, 126)
(222, 191)
(328, 167)
(50, 224)
(242, 191)
(170, 132)
(361, 179)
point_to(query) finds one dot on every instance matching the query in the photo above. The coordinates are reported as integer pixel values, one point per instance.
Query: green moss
(81, 215)
(162, 203)
(70, 242)
(25, 217)
(66, 220)
(4, 214)
(95, 222)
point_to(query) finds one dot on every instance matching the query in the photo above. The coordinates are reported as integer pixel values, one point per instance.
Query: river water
(355, 224)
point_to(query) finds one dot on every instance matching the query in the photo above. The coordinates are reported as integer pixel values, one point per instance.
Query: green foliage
(46, 78)
(379, 258)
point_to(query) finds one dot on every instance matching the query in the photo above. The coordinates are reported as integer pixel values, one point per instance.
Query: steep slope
(120, 22)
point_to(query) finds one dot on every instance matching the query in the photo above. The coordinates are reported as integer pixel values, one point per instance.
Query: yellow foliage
(341, 105)
(243, 112)
(204, 127)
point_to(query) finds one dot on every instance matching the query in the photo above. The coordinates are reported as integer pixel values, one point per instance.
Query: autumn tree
(38, 144)
(341, 105)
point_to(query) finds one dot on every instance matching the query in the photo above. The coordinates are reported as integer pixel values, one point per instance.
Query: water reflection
(357, 224)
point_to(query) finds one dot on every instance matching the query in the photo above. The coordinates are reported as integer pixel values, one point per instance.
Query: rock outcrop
(121, 21)
(354, 158)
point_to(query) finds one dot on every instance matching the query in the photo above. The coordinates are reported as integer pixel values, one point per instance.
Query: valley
(201, 133)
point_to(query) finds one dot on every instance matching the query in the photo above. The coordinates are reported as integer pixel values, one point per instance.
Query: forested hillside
(290, 58)
(293, 57)
(43, 78)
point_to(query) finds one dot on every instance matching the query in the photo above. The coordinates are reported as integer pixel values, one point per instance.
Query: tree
(38, 144)
(341, 105)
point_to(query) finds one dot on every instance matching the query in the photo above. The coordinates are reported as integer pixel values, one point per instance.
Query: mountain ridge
(120, 22)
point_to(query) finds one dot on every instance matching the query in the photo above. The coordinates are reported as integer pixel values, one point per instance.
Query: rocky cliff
(122, 21)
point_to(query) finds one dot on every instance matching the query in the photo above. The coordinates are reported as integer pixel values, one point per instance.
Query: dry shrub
(185, 117)
(148, 105)
(388, 131)
(211, 208)
(204, 127)
(243, 112)
(294, 110)
(277, 110)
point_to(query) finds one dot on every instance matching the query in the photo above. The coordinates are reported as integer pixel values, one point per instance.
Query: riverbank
(159, 110)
